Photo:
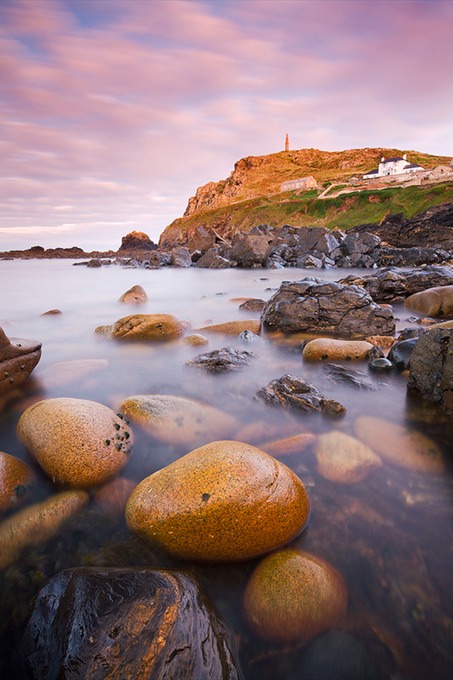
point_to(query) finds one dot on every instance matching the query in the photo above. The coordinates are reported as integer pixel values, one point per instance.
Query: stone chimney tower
(287, 142)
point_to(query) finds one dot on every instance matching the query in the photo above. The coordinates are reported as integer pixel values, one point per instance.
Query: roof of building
(392, 160)
(372, 172)
(412, 165)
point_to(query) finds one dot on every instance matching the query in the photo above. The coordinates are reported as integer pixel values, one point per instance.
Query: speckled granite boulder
(36, 523)
(340, 350)
(223, 501)
(126, 623)
(18, 357)
(15, 479)
(434, 302)
(233, 327)
(344, 459)
(134, 296)
(77, 442)
(293, 596)
(154, 327)
(178, 421)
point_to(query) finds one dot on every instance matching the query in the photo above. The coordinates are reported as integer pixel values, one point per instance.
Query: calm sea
(390, 535)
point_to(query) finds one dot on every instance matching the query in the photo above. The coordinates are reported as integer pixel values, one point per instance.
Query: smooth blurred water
(389, 535)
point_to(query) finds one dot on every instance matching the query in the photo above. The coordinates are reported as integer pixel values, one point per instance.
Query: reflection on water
(390, 535)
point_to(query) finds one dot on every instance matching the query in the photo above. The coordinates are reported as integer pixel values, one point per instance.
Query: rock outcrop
(431, 367)
(135, 240)
(18, 358)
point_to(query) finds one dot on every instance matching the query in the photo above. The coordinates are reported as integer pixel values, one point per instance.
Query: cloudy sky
(113, 112)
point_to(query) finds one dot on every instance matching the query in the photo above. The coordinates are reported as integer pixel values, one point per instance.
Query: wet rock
(341, 350)
(249, 250)
(234, 327)
(178, 421)
(348, 376)
(213, 260)
(221, 502)
(248, 337)
(400, 445)
(381, 365)
(181, 257)
(15, 480)
(18, 358)
(313, 305)
(293, 596)
(400, 353)
(431, 367)
(196, 339)
(344, 459)
(300, 395)
(134, 296)
(112, 497)
(252, 305)
(36, 523)
(65, 372)
(434, 302)
(288, 445)
(126, 623)
(76, 441)
(222, 360)
(154, 327)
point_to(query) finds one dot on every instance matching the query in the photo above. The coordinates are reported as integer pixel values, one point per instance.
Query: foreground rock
(431, 367)
(36, 523)
(399, 445)
(315, 306)
(300, 395)
(126, 623)
(221, 502)
(222, 360)
(76, 441)
(434, 302)
(18, 358)
(293, 596)
(178, 421)
(15, 480)
(154, 327)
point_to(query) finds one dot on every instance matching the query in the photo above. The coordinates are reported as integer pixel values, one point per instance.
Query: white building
(393, 166)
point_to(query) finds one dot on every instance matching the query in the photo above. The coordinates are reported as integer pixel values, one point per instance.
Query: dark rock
(213, 260)
(381, 365)
(316, 306)
(18, 358)
(249, 337)
(126, 623)
(340, 374)
(337, 655)
(136, 240)
(202, 239)
(159, 258)
(431, 367)
(222, 360)
(180, 257)
(253, 305)
(400, 353)
(95, 262)
(300, 395)
(249, 250)
(410, 257)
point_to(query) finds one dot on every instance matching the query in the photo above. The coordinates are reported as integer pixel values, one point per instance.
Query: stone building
(303, 183)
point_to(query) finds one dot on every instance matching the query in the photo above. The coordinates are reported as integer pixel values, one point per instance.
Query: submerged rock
(296, 393)
(312, 305)
(359, 379)
(344, 459)
(222, 360)
(431, 367)
(126, 623)
(223, 501)
(148, 327)
(76, 441)
(293, 596)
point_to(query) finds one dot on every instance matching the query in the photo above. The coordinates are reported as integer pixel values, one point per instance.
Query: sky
(113, 112)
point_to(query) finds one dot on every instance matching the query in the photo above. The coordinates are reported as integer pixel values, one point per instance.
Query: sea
(390, 535)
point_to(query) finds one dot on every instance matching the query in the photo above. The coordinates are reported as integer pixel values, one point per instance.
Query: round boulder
(223, 501)
(234, 327)
(15, 478)
(434, 302)
(344, 459)
(134, 296)
(339, 350)
(293, 596)
(77, 442)
(148, 327)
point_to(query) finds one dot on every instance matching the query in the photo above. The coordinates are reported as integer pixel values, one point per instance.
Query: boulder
(213, 260)
(18, 358)
(37, 523)
(154, 327)
(252, 305)
(288, 445)
(221, 502)
(431, 367)
(76, 441)
(180, 257)
(344, 459)
(15, 480)
(397, 444)
(401, 352)
(249, 250)
(134, 296)
(178, 421)
(126, 623)
(202, 239)
(349, 376)
(300, 395)
(340, 350)
(234, 327)
(293, 596)
(196, 339)
(316, 306)
(222, 360)
(434, 302)
(136, 240)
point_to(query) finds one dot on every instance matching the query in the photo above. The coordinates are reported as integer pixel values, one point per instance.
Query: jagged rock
(300, 395)
(222, 360)
(409, 257)
(213, 260)
(158, 258)
(136, 240)
(202, 239)
(391, 284)
(313, 305)
(431, 367)
(435, 302)
(249, 250)
(18, 358)
(126, 623)
(180, 257)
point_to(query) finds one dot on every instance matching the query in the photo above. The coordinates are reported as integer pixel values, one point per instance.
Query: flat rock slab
(126, 623)
(296, 393)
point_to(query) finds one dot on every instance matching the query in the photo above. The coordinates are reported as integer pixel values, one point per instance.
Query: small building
(303, 183)
(393, 166)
